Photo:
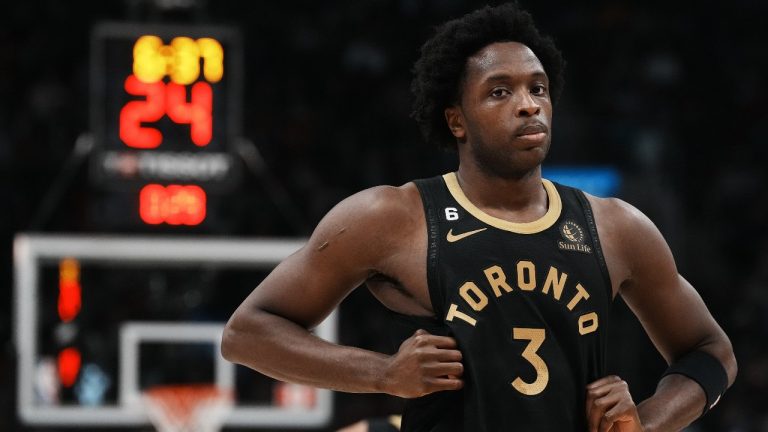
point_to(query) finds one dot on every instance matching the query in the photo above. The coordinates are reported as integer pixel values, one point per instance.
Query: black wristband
(706, 370)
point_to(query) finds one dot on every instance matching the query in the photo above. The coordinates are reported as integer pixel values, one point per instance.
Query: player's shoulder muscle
(617, 214)
(622, 219)
(633, 235)
(377, 216)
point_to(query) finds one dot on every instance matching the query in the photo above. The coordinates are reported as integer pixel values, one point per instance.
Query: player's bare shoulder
(394, 207)
(615, 214)
(630, 240)
(373, 221)
(619, 225)
(620, 220)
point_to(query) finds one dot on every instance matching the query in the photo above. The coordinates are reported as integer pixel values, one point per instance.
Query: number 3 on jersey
(536, 338)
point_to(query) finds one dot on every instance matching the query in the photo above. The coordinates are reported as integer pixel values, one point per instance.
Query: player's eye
(499, 92)
(539, 90)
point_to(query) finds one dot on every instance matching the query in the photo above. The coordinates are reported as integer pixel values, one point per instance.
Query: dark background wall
(672, 94)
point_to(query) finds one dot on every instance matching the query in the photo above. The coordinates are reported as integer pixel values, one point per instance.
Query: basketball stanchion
(187, 408)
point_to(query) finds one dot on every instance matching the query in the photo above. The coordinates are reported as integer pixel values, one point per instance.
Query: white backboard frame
(33, 250)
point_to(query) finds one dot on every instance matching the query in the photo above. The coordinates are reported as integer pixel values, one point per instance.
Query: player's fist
(610, 407)
(424, 364)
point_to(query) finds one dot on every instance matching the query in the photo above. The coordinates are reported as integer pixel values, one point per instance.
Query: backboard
(99, 319)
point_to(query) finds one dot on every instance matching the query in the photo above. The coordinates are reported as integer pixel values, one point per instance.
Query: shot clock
(165, 112)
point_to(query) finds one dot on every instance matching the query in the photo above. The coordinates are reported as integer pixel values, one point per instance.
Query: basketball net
(187, 408)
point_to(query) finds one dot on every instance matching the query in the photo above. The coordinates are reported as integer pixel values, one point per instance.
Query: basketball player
(500, 281)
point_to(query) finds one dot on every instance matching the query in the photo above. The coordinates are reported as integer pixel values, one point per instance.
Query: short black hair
(439, 72)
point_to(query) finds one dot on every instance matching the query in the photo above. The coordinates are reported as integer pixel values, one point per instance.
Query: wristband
(706, 370)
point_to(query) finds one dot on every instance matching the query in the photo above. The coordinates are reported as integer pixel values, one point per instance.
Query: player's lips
(531, 132)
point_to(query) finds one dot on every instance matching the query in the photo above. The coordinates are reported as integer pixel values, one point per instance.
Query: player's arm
(270, 330)
(675, 318)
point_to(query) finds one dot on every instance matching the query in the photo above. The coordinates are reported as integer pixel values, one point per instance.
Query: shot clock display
(180, 61)
(165, 111)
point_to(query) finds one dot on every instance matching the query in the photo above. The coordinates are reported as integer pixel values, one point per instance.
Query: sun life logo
(572, 232)
(574, 236)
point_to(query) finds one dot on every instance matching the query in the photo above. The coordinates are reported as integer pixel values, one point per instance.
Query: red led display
(68, 363)
(70, 296)
(165, 126)
(172, 204)
(69, 366)
(196, 113)
(165, 108)
(165, 99)
(69, 300)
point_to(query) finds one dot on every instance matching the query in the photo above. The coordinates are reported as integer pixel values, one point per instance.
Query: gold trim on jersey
(546, 221)
(395, 420)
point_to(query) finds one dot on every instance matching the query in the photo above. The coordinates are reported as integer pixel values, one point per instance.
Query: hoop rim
(188, 407)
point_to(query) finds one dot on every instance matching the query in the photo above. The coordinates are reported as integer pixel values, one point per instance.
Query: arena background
(671, 95)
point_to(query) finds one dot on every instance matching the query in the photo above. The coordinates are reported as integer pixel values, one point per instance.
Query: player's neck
(521, 199)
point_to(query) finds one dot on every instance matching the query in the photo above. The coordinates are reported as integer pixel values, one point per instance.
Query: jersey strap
(590, 218)
(428, 189)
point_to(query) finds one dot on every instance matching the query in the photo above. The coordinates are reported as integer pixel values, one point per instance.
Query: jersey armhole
(426, 188)
(595, 239)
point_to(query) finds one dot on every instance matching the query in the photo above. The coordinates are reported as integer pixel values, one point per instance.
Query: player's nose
(526, 105)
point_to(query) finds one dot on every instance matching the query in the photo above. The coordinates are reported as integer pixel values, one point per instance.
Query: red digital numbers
(70, 291)
(165, 99)
(196, 113)
(172, 204)
(69, 363)
(70, 302)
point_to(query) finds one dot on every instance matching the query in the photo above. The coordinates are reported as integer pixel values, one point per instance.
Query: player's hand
(424, 364)
(610, 407)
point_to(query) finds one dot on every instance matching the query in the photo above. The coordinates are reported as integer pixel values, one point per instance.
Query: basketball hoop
(187, 408)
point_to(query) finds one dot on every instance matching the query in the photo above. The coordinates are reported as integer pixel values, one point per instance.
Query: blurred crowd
(671, 94)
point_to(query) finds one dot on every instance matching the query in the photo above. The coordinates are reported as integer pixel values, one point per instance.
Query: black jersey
(528, 305)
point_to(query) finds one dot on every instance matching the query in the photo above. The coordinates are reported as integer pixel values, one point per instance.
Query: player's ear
(455, 120)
